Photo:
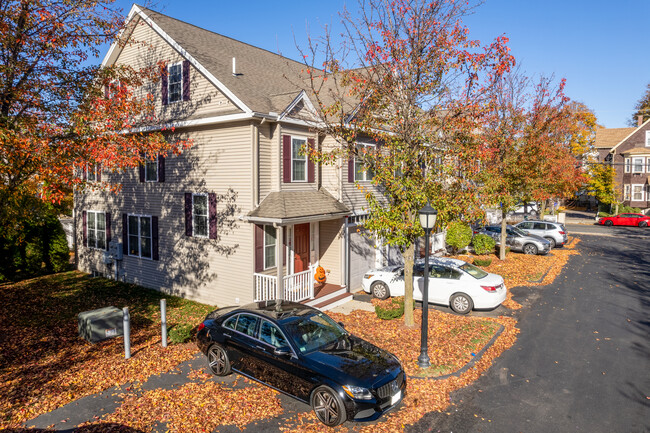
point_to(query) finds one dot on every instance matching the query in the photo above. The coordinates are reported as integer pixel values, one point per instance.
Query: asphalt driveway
(582, 360)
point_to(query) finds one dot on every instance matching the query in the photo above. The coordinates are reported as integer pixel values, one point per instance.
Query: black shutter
(85, 228)
(286, 158)
(163, 84)
(125, 234)
(186, 80)
(108, 229)
(98, 170)
(259, 248)
(311, 172)
(351, 169)
(141, 167)
(188, 214)
(212, 215)
(154, 238)
(161, 168)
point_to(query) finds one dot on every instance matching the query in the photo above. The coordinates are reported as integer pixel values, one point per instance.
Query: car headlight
(357, 392)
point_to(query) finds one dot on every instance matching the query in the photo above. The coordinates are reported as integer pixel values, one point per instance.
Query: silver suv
(518, 240)
(555, 233)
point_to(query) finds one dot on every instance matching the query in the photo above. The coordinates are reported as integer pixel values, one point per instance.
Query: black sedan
(302, 352)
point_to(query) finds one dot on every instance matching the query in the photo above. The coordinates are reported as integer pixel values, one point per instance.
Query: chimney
(639, 120)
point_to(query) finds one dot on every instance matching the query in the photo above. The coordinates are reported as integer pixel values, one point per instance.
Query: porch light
(428, 217)
(428, 221)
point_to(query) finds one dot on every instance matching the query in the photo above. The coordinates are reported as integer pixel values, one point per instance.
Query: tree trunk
(408, 285)
(502, 248)
(542, 208)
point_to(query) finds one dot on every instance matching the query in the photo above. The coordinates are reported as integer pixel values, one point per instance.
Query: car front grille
(391, 387)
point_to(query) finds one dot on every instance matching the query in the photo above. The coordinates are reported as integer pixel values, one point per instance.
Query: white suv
(555, 233)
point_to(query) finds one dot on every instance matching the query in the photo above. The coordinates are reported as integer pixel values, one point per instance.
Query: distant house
(628, 150)
(243, 208)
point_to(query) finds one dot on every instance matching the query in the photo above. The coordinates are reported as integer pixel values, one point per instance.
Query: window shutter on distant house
(85, 228)
(108, 229)
(154, 238)
(163, 84)
(188, 214)
(98, 172)
(259, 248)
(212, 215)
(186, 80)
(141, 169)
(311, 172)
(286, 158)
(125, 234)
(161, 168)
(351, 170)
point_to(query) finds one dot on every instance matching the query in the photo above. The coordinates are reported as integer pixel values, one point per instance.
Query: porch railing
(297, 287)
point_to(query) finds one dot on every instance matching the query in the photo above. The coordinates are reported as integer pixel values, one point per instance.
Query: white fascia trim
(223, 89)
(194, 122)
(612, 150)
(122, 32)
(302, 96)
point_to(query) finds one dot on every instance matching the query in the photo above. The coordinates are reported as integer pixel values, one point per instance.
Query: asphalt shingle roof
(606, 138)
(298, 204)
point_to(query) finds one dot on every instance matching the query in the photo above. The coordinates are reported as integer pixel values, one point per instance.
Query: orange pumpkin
(320, 275)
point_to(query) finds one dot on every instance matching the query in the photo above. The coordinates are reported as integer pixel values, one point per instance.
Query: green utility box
(100, 324)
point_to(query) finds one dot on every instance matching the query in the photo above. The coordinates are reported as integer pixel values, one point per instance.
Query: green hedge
(459, 235)
(483, 244)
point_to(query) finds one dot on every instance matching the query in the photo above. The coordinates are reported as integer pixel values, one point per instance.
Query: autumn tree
(398, 95)
(642, 108)
(603, 185)
(58, 115)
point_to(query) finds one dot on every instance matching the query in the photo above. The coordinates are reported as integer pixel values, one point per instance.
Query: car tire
(379, 290)
(609, 223)
(328, 406)
(643, 224)
(461, 303)
(218, 361)
(530, 249)
(552, 241)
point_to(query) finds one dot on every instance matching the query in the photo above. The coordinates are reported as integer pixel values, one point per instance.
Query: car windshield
(518, 231)
(473, 271)
(313, 332)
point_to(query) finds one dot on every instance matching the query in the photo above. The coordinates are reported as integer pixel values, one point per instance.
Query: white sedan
(454, 283)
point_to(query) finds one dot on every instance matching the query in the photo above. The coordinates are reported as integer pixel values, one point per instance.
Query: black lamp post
(427, 221)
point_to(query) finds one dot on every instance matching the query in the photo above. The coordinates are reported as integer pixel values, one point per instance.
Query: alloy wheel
(327, 408)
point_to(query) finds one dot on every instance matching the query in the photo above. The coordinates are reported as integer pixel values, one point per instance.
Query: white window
(647, 139)
(638, 192)
(637, 164)
(647, 170)
(360, 172)
(200, 215)
(298, 160)
(628, 165)
(96, 229)
(140, 236)
(151, 170)
(175, 82)
(269, 247)
(626, 192)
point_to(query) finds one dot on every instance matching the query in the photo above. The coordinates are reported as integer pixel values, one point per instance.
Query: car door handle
(227, 335)
(260, 347)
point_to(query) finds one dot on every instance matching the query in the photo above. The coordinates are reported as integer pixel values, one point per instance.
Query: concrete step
(333, 302)
(319, 300)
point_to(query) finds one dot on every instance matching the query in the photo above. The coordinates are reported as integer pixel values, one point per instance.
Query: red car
(626, 219)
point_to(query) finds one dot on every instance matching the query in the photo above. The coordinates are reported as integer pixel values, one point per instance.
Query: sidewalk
(580, 217)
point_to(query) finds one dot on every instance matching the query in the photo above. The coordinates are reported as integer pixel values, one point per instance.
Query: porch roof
(290, 207)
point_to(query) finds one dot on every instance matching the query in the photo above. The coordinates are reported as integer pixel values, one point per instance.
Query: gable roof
(607, 138)
(632, 132)
(289, 206)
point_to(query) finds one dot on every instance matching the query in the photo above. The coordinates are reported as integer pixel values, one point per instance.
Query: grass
(45, 364)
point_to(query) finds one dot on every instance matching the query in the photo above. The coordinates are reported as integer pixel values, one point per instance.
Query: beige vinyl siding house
(243, 215)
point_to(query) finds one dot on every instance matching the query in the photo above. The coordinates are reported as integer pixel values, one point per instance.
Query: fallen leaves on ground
(197, 407)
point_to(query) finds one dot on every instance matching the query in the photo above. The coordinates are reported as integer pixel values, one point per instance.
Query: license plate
(397, 397)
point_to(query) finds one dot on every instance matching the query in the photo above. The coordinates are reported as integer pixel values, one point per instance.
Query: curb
(470, 364)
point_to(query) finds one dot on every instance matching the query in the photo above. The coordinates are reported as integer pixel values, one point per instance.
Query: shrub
(180, 333)
(483, 244)
(388, 309)
(481, 262)
(629, 209)
(459, 235)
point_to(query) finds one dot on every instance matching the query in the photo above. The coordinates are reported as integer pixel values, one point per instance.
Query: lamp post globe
(428, 217)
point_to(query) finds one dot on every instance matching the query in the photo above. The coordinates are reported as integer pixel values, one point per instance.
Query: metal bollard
(127, 333)
(163, 320)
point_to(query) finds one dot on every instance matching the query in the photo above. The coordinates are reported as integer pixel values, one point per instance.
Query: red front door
(300, 247)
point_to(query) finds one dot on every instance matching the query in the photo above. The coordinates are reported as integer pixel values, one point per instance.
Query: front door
(300, 247)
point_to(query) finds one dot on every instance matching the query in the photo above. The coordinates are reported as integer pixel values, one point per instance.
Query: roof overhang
(295, 207)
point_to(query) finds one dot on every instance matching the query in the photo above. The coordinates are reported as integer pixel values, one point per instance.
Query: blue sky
(597, 45)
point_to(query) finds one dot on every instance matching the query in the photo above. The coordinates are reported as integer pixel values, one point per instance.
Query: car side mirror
(342, 325)
(282, 351)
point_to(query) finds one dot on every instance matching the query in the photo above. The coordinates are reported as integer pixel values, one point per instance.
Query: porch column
(279, 260)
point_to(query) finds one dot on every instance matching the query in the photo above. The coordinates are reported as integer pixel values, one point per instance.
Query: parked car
(453, 283)
(526, 208)
(518, 240)
(303, 353)
(626, 219)
(555, 233)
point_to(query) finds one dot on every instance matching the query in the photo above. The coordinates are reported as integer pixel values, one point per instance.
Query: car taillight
(490, 288)
(562, 233)
(201, 326)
